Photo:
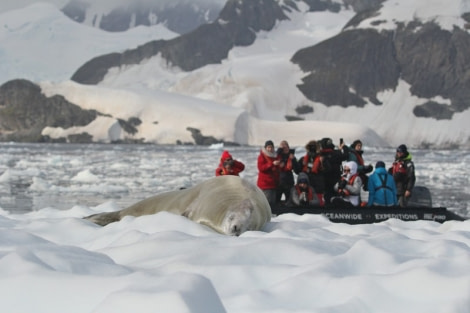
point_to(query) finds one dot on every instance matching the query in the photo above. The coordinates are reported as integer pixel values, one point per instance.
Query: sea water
(61, 176)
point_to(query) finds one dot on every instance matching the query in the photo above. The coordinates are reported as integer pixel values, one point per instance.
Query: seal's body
(228, 204)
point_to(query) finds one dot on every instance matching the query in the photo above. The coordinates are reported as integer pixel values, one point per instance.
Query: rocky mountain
(25, 111)
(236, 25)
(346, 70)
(358, 63)
(178, 16)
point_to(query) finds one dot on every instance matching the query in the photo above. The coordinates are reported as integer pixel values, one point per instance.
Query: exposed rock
(433, 109)
(359, 63)
(25, 111)
(80, 138)
(54, 140)
(435, 62)
(129, 125)
(180, 17)
(139, 141)
(466, 17)
(361, 16)
(200, 139)
(134, 121)
(203, 140)
(363, 5)
(76, 10)
(236, 25)
(304, 109)
(349, 67)
(323, 5)
(292, 118)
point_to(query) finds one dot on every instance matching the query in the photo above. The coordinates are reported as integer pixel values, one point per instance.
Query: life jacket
(287, 163)
(311, 164)
(399, 168)
(352, 179)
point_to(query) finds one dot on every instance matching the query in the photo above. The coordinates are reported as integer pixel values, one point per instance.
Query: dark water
(36, 176)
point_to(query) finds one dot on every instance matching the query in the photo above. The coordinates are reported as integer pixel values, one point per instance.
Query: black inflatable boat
(419, 208)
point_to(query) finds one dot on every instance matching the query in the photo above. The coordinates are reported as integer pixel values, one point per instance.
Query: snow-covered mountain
(259, 89)
(180, 16)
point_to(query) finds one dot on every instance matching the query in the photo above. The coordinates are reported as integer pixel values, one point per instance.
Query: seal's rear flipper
(104, 218)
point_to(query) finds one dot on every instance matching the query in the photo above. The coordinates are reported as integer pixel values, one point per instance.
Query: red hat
(225, 155)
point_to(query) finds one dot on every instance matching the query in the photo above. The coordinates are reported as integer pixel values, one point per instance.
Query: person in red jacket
(229, 166)
(268, 171)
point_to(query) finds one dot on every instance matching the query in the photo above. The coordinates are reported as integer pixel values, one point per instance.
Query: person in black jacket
(403, 171)
(331, 160)
(288, 164)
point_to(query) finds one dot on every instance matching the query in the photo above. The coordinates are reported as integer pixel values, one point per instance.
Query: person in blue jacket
(382, 188)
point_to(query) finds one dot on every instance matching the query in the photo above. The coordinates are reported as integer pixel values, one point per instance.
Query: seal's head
(237, 219)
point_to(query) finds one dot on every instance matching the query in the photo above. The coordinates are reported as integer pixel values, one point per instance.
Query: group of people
(327, 175)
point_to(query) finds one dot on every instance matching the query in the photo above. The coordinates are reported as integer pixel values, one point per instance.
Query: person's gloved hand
(369, 168)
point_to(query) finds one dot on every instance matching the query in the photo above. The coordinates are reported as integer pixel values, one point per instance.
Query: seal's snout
(236, 230)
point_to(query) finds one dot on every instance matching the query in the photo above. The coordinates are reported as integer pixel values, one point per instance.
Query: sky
(52, 260)
(242, 99)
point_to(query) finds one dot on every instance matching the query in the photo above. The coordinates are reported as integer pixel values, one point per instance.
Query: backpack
(327, 163)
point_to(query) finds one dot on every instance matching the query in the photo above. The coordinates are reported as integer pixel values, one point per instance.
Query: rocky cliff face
(347, 68)
(359, 63)
(25, 111)
(181, 17)
(435, 62)
(236, 25)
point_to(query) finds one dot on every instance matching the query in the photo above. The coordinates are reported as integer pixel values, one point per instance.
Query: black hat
(402, 149)
(269, 143)
(380, 164)
(327, 143)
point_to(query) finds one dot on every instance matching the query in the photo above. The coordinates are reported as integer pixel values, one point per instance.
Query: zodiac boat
(419, 208)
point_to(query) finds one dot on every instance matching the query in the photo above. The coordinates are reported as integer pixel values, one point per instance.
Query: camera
(303, 198)
(228, 163)
(284, 157)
